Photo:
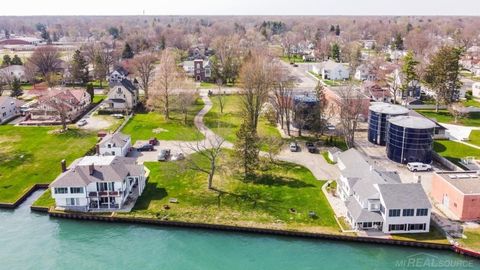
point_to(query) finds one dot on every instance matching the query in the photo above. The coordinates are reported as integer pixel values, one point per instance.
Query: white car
(117, 115)
(418, 167)
(82, 123)
(178, 156)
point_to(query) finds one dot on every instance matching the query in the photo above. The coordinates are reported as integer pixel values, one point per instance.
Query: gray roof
(117, 139)
(125, 83)
(387, 108)
(401, 196)
(467, 182)
(412, 122)
(361, 215)
(105, 168)
(4, 100)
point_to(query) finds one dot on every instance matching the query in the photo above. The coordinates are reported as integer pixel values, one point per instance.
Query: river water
(36, 241)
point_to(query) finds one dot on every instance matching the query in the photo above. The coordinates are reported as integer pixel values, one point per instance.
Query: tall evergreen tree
(90, 90)
(442, 75)
(335, 52)
(398, 42)
(248, 147)
(127, 52)
(16, 88)
(7, 61)
(79, 68)
(16, 60)
(337, 30)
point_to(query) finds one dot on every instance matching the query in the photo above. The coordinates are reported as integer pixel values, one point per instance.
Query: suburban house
(364, 73)
(99, 183)
(330, 70)
(376, 199)
(376, 92)
(368, 44)
(53, 103)
(123, 96)
(116, 144)
(117, 75)
(14, 71)
(199, 69)
(458, 192)
(9, 108)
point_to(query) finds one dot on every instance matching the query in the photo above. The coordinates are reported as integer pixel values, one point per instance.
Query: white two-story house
(376, 199)
(116, 144)
(123, 96)
(99, 183)
(330, 70)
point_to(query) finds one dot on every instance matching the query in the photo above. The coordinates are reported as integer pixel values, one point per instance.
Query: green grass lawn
(96, 84)
(471, 102)
(444, 116)
(434, 236)
(474, 137)
(327, 159)
(293, 59)
(454, 151)
(263, 202)
(30, 155)
(227, 124)
(472, 239)
(45, 200)
(98, 98)
(143, 126)
(209, 85)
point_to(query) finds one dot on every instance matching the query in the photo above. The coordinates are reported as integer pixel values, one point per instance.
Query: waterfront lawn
(472, 240)
(263, 202)
(474, 137)
(434, 236)
(45, 200)
(30, 155)
(227, 124)
(444, 116)
(143, 126)
(454, 151)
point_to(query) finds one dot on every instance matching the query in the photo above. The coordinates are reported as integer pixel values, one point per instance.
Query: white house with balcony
(376, 199)
(331, 70)
(99, 184)
(116, 144)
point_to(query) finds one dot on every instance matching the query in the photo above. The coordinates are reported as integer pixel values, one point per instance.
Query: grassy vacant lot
(45, 200)
(443, 116)
(454, 151)
(293, 59)
(227, 124)
(30, 155)
(474, 137)
(473, 239)
(144, 126)
(263, 202)
(434, 236)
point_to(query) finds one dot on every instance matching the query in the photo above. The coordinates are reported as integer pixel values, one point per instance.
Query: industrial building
(410, 139)
(378, 115)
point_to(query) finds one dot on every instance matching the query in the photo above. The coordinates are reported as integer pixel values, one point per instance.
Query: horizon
(434, 8)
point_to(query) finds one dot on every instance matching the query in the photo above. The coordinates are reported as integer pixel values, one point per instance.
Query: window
(396, 227)
(61, 190)
(382, 209)
(408, 212)
(102, 186)
(76, 190)
(73, 201)
(367, 224)
(422, 212)
(417, 227)
(394, 212)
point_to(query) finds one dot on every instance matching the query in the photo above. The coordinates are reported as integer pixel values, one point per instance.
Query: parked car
(295, 65)
(153, 141)
(178, 156)
(82, 123)
(294, 147)
(311, 147)
(145, 147)
(418, 166)
(163, 155)
(117, 115)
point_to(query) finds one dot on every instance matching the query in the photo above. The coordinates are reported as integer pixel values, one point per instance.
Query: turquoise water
(35, 241)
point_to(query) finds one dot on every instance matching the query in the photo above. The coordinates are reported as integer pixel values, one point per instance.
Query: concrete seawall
(24, 196)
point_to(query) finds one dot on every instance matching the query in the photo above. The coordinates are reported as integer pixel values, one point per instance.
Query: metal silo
(409, 139)
(378, 115)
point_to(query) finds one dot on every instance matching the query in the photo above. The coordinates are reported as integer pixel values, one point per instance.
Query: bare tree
(256, 77)
(457, 110)
(185, 99)
(209, 149)
(167, 78)
(349, 108)
(61, 110)
(143, 66)
(46, 60)
(282, 96)
(221, 97)
(273, 145)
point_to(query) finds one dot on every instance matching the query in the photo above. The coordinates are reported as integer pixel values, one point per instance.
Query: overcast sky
(241, 7)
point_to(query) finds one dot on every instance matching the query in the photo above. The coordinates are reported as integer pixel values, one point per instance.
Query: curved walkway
(314, 162)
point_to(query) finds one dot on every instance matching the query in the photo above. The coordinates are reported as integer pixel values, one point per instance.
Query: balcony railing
(103, 193)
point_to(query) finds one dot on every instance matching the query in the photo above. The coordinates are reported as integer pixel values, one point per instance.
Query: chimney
(97, 149)
(64, 165)
(91, 169)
